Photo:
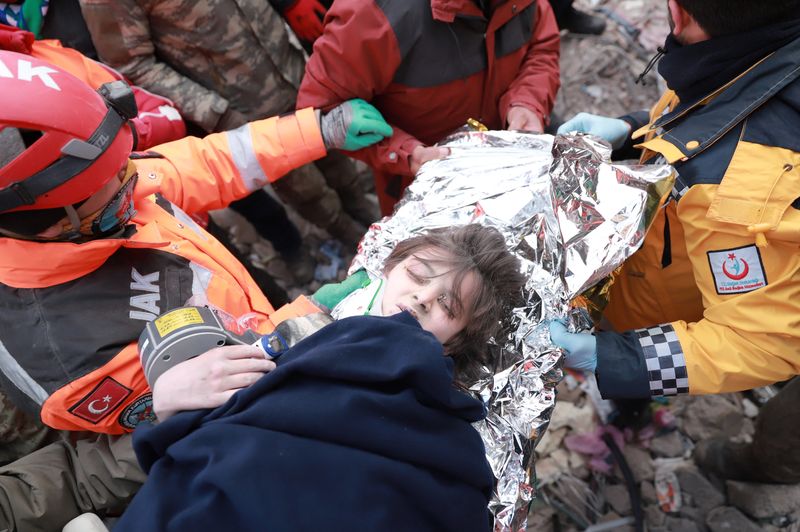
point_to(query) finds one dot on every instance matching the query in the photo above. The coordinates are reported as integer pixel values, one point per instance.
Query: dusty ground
(598, 73)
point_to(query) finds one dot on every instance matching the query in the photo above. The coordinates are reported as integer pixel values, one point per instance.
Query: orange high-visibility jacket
(71, 314)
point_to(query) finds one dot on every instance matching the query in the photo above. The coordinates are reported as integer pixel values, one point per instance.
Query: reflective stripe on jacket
(70, 314)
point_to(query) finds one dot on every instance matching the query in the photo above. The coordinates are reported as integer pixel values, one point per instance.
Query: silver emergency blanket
(572, 218)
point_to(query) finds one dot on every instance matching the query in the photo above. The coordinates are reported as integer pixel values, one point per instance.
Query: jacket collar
(722, 110)
(448, 10)
(27, 264)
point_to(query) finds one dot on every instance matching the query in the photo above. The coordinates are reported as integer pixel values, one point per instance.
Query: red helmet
(85, 137)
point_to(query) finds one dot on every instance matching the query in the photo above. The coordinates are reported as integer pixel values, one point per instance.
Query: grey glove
(353, 125)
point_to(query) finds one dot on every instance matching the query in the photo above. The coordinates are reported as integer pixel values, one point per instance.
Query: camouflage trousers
(20, 433)
(330, 195)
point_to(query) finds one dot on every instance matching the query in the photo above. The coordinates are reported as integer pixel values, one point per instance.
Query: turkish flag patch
(101, 401)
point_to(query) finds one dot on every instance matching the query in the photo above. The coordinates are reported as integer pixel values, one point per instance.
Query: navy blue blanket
(359, 428)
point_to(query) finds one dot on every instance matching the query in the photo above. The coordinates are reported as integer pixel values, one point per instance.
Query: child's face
(423, 284)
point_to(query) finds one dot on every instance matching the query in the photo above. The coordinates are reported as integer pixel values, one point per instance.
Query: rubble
(581, 476)
(669, 445)
(727, 519)
(764, 501)
(698, 491)
(654, 517)
(712, 415)
(640, 463)
(679, 524)
(580, 419)
(648, 494)
(598, 73)
(618, 498)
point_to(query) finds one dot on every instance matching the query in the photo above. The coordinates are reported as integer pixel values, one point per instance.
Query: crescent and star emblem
(94, 410)
(736, 275)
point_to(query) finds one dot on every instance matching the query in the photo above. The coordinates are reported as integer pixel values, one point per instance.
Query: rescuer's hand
(422, 154)
(523, 119)
(305, 19)
(353, 125)
(581, 347)
(208, 380)
(613, 130)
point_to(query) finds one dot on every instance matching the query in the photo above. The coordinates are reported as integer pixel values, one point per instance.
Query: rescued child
(455, 282)
(359, 427)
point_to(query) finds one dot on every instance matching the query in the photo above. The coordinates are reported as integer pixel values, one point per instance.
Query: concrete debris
(640, 463)
(550, 440)
(698, 491)
(728, 519)
(679, 524)
(648, 493)
(654, 517)
(580, 419)
(749, 407)
(710, 416)
(550, 469)
(598, 73)
(669, 445)
(764, 501)
(618, 498)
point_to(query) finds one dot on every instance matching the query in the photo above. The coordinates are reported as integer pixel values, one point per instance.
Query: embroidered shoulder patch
(101, 401)
(737, 270)
(137, 412)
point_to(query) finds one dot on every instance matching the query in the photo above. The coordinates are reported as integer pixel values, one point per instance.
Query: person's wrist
(161, 401)
(620, 141)
(318, 116)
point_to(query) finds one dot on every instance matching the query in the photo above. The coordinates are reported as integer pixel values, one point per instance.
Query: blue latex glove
(581, 348)
(614, 130)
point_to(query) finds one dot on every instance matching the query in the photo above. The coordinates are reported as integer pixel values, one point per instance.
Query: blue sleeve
(621, 369)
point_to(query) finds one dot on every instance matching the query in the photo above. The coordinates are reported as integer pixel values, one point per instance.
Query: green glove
(353, 125)
(331, 294)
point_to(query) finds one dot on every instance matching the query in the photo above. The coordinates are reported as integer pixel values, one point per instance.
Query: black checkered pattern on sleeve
(666, 366)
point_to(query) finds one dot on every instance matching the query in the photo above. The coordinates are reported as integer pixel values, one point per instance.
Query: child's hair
(481, 250)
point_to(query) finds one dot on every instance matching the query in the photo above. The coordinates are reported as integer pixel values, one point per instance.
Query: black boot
(774, 455)
(728, 460)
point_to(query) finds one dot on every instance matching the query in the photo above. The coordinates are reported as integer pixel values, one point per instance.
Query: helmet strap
(74, 232)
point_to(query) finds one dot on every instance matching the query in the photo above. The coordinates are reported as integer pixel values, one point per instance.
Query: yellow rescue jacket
(711, 303)
(71, 314)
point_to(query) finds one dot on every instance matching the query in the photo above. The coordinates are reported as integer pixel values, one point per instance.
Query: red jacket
(423, 64)
(158, 120)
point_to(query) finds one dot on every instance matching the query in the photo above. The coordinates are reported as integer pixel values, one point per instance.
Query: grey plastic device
(181, 334)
